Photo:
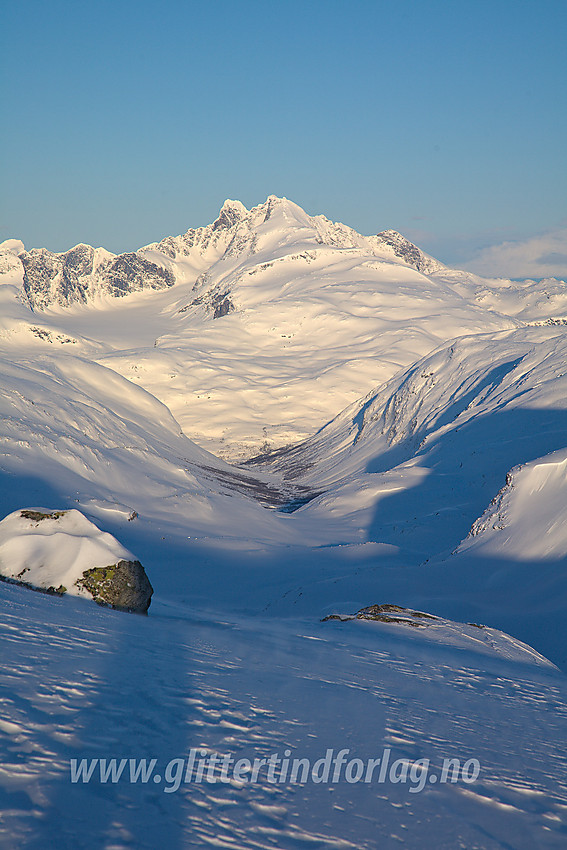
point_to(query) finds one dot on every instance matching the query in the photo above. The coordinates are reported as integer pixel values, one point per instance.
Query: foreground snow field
(384, 430)
(109, 685)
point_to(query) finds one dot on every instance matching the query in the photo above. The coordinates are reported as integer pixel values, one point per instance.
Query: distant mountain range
(84, 272)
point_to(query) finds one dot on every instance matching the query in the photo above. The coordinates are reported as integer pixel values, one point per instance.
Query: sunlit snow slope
(271, 321)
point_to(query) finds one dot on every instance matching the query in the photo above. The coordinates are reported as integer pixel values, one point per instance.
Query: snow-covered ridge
(438, 629)
(83, 272)
(526, 519)
(472, 435)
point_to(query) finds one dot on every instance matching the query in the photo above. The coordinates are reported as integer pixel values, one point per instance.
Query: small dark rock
(37, 516)
(336, 617)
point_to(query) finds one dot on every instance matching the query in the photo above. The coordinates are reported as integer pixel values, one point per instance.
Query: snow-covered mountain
(286, 420)
(83, 272)
(469, 374)
(453, 426)
(268, 322)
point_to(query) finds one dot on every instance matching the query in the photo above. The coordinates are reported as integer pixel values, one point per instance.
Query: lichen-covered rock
(386, 613)
(124, 585)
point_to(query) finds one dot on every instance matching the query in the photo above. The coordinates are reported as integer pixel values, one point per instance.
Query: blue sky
(128, 121)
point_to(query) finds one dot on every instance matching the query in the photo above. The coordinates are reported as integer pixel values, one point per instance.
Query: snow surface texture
(430, 406)
(115, 685)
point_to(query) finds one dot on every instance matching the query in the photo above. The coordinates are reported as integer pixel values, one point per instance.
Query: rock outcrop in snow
(407, 252)
(63, 552)
(448, 632)
(83, 273)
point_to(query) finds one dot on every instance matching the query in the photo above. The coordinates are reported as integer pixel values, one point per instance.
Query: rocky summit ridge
(84, 273)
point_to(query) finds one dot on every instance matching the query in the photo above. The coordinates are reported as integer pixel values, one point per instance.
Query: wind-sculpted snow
(110, 686)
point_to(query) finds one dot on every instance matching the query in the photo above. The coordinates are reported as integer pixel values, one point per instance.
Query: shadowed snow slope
(526, 520)
(111, 686)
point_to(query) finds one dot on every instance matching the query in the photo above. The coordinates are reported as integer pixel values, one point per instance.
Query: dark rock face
(227, 218)
(79, 261)
(223, 308)
(408, 252)
(124, 586)
(72, 277)
(56, 277)
(131, 272)
(48, 278)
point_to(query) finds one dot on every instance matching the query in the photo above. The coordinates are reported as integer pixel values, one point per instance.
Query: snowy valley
(285, 422)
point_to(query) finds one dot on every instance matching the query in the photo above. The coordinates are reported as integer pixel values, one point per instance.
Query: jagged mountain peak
(231, 213)
(233, 204)
(281, 213)
(269, 230)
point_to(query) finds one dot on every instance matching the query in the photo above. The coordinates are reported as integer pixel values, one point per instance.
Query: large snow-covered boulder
(63, 552)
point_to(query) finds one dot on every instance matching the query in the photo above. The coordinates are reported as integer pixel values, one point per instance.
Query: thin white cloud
(538, 257)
